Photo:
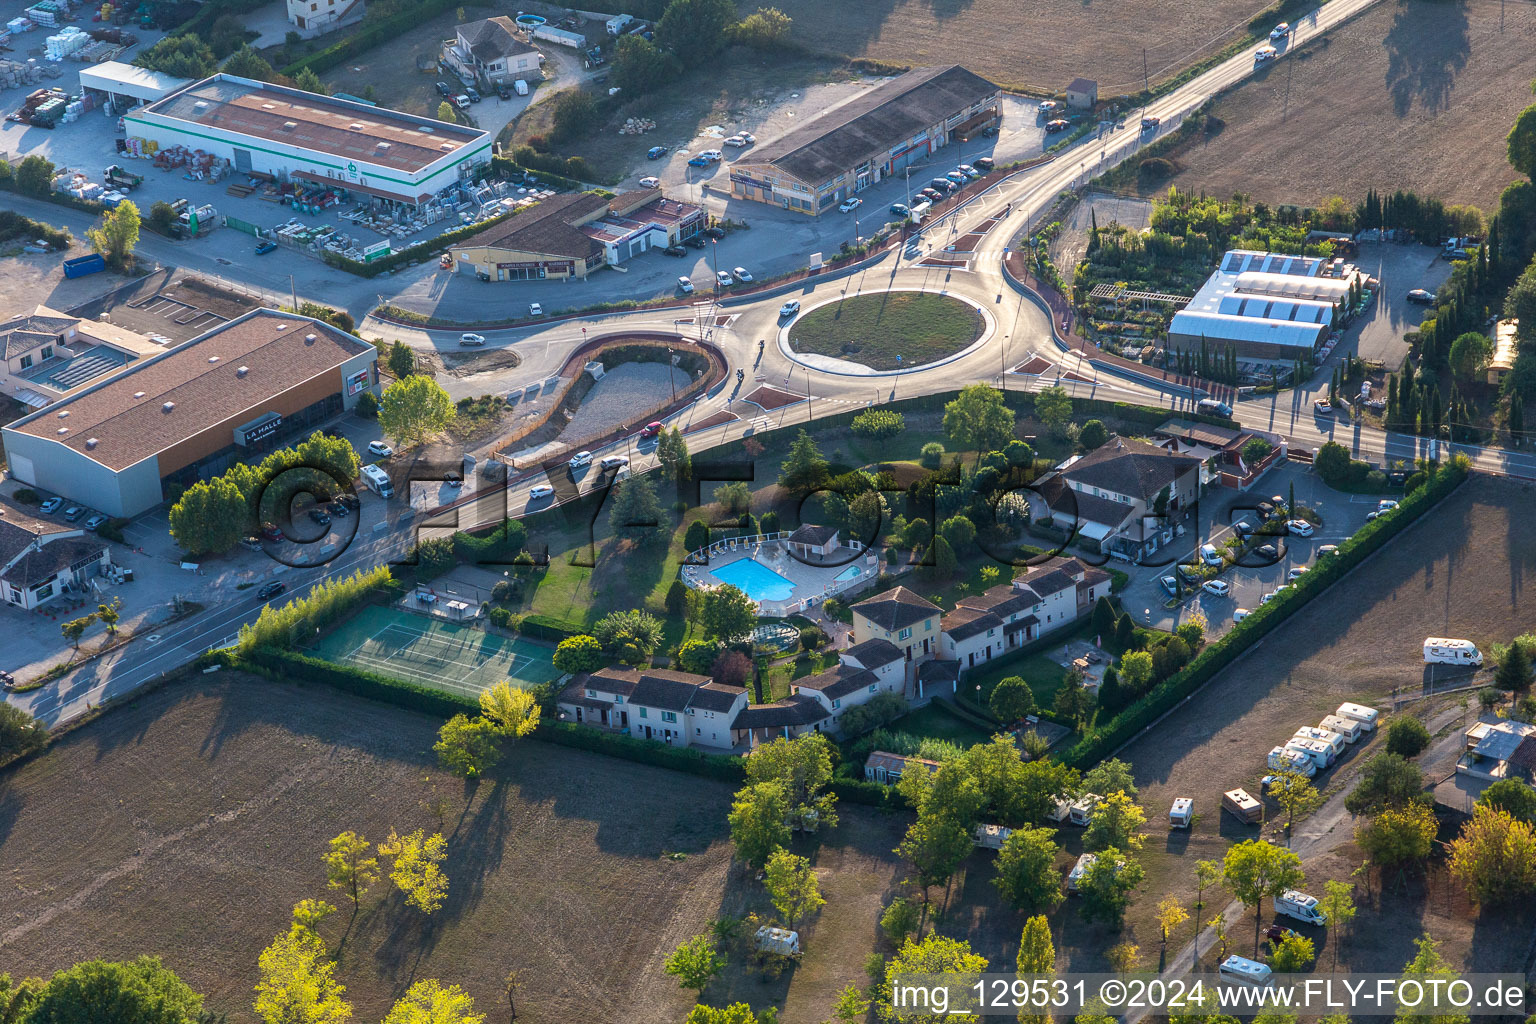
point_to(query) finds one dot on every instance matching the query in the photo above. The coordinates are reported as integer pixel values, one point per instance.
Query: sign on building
(357, 382)
(376, 251)
(258, 430)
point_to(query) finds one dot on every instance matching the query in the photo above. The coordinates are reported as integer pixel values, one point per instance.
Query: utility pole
(293, 293)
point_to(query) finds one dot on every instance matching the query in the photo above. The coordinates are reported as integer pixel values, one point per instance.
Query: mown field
(1413, 94)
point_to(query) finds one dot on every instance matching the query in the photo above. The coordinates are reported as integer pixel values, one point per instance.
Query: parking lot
(1400, 267)
(1342, 514)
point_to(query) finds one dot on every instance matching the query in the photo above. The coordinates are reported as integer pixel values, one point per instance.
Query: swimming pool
(849, 573)
(756, 580)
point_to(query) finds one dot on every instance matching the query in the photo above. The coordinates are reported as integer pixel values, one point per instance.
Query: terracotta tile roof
(279, 350)
(551, 228)
(896, 609)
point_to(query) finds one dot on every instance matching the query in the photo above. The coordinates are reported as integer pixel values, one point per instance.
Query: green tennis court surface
(443, 655)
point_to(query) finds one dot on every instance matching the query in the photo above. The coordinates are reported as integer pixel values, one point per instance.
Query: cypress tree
(1516, 417)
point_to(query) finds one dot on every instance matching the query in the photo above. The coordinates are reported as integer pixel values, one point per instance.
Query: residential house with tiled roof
(902, 618)
(676, 708)
(1107, 498)
(491, 50)
(39, 563)
(1045, 597)
(887, 768)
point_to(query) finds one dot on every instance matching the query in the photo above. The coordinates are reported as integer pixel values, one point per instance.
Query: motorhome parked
(1240, 968)
(992, 837)
(1182, 814)
(1328, 736)
(1283, 759)
(1360, 713)
(1082, 808)
(1298, 905)
(1445, 651)
(378, 481)
(1060, 810)
(1345, 727)
(1321, 754)
(1080, 869)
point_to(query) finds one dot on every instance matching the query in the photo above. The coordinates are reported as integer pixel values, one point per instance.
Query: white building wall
(681, 729)
(713, 728)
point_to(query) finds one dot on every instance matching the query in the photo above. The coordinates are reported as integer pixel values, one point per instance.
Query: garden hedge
(1261, 621)
(291, 667)
(547, 627)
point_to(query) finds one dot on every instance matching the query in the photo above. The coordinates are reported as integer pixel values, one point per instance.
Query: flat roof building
(45, 354)
(230, 395)
(292, 134)
(1265, 306)
(866, 140)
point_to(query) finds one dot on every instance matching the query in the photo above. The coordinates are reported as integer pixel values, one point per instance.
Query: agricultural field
(1412, 94)
(1038, 46)
(1458, 572)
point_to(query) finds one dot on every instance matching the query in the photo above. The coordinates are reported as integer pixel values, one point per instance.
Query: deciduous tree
(1437, 1007)
(349, 865)
(1495, 857)
(803, 766)
(759, 821)
(727, 612)
(210, 517)
(1011, 700)
(934, 954)
(1115, 823)
(978, 419)
(416, 870)
(468, 746)
(296, 983)
(1053, 407)
(141, 991)
(1398, 836)
(1389, 780)
(792, 886)
(1108, 884)
(512, 710)
(1513, 797)
(117, 234)
(20, 733)
(1170, 914)
(696, 27)
(936, 845)
(1037, 956)
(1292, 954)
(1295, 794)
(1406, 736)
(429, 1001)
(1338, 902)
(695, 962)
(1255, 870)
(579, 654)
(413, 409)
(1026, 869)
(1111, 776)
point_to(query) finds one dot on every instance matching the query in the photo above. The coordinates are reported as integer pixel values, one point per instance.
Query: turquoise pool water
(756, 580)
(849, 573)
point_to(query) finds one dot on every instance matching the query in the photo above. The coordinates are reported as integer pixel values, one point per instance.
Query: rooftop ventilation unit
(138, 394)
(201, 104)
(242, 371)
(269, 106)
(91, 443)
(309, 337)
(282, 327)
(289, 126)
(168, 406)
(424, 128)
(63, 431)
(64, 415)
(356, 126)
(447, 147)
(213, 359)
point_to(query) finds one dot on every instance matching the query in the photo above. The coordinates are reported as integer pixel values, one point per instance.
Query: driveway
(1400, 267)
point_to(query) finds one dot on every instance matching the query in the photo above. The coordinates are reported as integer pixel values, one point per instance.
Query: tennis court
(443, 655)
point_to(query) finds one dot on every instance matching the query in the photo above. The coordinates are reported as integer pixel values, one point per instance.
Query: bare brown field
(1461, 571)
(1413, 94)
(1038, 45)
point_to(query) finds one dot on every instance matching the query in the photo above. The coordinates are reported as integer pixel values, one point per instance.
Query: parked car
(1322, 408)
(461, 101)
(1422, 296)
(985, 163)
(1268, 551)
(271, 590)
(675, 250)
(1243, 528)
(685, 285)
(1296, 571)
(931, 194)
(850, 204)
(1150, 123)
(320, 516)
(723, 279)
(736, 141)
(1170, 584)
(96, 521)
(1209, 555)
(1280, 31)
(1239, 614)
(503, 91)
(650, 181)
(265, 246)
(656, 152)
(535, 309)
(790, 308)
(694, 241)
(471, 339)
(900, 209)
(944, 185)
(1299, 527)
(1265, 509)
(715, 233)
(73, 512)
(50, 506)
(1047, 106)
(580, 459)
(1216, 588)
(968, 171)
(748, 137)
(474, 96)
(538, 491)
(452, 480)
(1386, 505)
(958, 177)
(271, 533)
(697, 161)
(989, 131)
(614, 461)
(1058, 125)
(444, 89)
(380, 449)
(1327, 549)
(742, 274)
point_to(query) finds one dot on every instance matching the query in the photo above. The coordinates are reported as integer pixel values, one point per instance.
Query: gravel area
(622, 397)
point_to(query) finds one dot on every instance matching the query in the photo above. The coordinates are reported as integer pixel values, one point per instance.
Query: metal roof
(1292, 286)
(1225, 327)
(128, 80)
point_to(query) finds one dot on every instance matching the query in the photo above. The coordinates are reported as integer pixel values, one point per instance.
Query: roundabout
(887, 332)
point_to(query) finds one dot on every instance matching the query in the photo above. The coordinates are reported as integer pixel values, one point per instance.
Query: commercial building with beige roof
(46, 355)
(229, 395)
(291, 134)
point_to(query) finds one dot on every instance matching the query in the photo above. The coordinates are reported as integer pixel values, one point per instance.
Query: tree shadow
(1427, 46)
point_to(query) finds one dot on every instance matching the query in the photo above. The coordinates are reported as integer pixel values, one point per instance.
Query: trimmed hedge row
(290, 666)
(1262, 620)
(869, 794)
(547, 627)
(371, 35)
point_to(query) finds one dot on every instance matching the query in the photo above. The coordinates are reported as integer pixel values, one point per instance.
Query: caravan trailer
(1443, 651)
(1182, 813)
(1060, 810)
(992, 837)
(1080, 869)
(1345, 727)
(1333, 739)
(1082, 808)
(1359, 713)
(1321, 753)
(1241, 806)
(1241, 968)
(1284, 759)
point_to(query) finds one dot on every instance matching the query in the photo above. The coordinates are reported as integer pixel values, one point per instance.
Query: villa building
(1111, 496)
(887, 768)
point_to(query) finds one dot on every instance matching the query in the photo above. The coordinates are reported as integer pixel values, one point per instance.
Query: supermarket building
(294, 135)
(230, 395)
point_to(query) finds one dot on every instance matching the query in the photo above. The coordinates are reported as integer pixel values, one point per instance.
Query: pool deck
(809, 581)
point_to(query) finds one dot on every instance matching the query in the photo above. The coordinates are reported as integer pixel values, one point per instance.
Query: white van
(1443, 651)
(1345, 727)
(378, 481)
(1209, 555)
(1320, 753)
(1241, 968)
(1080, 869)
(1298, 905)
(1060, 810)
(1359, 713)
(1082, 808)
(1282, 759)
(1182, 814)
(1334, 740)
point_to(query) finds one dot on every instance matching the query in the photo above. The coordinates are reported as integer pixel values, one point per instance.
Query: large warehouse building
(230, 395)
(867, 139)
(1265, 306)
(296, 135)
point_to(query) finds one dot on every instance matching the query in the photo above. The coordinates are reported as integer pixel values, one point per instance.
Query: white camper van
(992, 837)
(1283, 759)
(1359, 713)
(1182, 814)
(1320, 753)
(1080, 869)
(1345, 727)
(778, 940)
(1082, 808)
(1445, 651)
(1299, 905)
(1060, 810)
(1241, 968)
(1328, 736)
(378, 481)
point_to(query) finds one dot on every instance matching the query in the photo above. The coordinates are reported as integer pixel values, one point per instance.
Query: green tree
(697, 535)
(640, 66)
(296, 982)
(1255, 870)
(878, 424)
(792, 887)
(247, 63)
(20, 733)
(1332, 462)
(307, 80)
(901, 919)
(1111, 776)
(804, 469)
(803, 766)
(467, 746)
(1338, 902)
(1026, 870)
(350, 866)
(936, 845)
(672, 452)
(636, 513)
(579, 654)
(1011, 700)
(1115, 824)
(1521, 143)
(1292, 954)
(117, 234)
(183, 56)
(632, 635)
(1388, 780)
(34, 175)
(1495, 858)
(74, 629)
(1514, 671)
(1125, 634)
(108, 615)
(1053, 407)
(978, 419)
(1094, 435)
(1296, 795)
(758, 820)
(1469, 353)
(413, 409)
(401, 360)
(1033, 792)
(727, 612)
(851, 1005)
(1170, 914)
(416, 870)
(934, 954)
(575, 114)
(1104, 617)
(430, 1002)
(1398, 836)
(1513, 797)
(1037, 956)
(1136, 671)
(1407, 736)
(736, 1013)
(141, 991)
(695, 962)
(764, 29)
(1108, 885)
(1019, 454)
(309, 914)
(698, 28)
(1437, 1008)
(945, 562)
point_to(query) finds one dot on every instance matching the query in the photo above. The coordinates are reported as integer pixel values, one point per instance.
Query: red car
(651, 430)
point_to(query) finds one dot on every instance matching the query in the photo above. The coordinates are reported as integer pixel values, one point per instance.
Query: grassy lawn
(889, 330)
(936, 722)
(1041, 673)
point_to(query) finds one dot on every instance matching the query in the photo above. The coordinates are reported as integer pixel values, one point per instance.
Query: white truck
(1296, 904)
(1445, 651)
(1345, 727)
(1182, 813)
(1075, 876)
(1283, 759)
(378, 481)
(1359, 713)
